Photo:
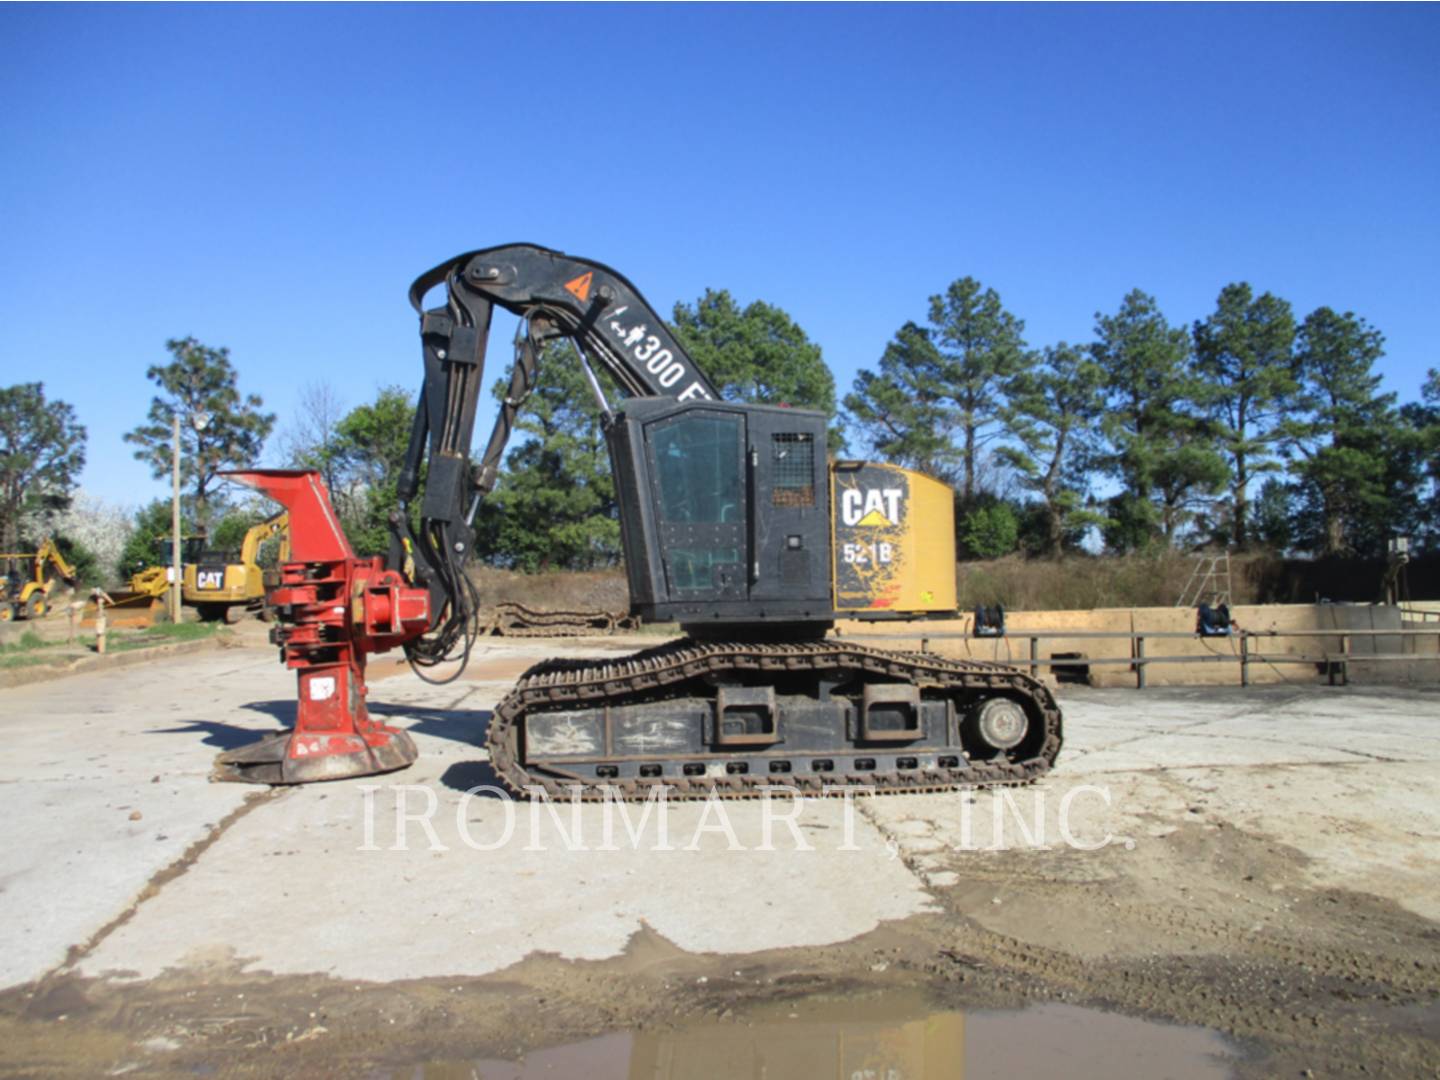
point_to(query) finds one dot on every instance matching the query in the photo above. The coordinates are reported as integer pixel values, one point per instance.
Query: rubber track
(651, 673)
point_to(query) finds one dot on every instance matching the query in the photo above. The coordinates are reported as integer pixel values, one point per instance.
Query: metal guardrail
(1335, 662)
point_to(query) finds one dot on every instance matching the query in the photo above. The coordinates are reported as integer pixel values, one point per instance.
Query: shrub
(990, 532)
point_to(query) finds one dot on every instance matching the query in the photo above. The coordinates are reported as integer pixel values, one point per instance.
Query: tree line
(1248, 428)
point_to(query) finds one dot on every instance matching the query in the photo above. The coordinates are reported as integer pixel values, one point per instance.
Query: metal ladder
(1210, 579)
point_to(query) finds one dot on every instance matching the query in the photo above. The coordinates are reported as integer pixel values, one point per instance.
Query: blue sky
(271, 178)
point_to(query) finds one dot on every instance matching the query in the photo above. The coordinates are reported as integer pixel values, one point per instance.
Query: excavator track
(516, 620)
(618, 729)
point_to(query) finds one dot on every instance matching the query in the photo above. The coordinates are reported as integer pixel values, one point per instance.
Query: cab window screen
(792, 462)
(697, 463)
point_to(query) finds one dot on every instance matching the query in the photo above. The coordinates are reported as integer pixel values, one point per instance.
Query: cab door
(697, 470)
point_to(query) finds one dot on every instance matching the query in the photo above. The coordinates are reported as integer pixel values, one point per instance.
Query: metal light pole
(175, 523)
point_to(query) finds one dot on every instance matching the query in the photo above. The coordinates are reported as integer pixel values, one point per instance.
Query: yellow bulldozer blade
(132, 609)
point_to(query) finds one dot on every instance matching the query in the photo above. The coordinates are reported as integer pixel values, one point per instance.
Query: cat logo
(877, 507)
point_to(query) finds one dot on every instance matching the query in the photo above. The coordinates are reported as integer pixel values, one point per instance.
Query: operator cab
(191, 550)
(724, 513)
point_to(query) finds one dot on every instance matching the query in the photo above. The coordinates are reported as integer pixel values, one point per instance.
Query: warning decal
(580, 287)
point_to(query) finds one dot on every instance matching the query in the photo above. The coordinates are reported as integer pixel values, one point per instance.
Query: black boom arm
(558, 296)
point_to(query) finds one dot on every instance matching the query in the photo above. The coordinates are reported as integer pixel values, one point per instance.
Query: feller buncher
(222, 585)
(26, 586)
(733, 524)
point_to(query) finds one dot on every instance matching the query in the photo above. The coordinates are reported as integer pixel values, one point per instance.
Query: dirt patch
(602, 590)
(1204, 924)
(1347, 985)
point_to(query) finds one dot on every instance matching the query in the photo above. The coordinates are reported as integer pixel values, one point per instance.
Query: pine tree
(1334, 433)
(1160, 448)
(901, 411)
(1054, 407)
(219, 428)
(982, 348)
(1243, 350)
(554, 506)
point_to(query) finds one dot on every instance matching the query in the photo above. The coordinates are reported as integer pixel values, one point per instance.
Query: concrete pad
(439, 907)
(1122, 730)
(1294, 768)
(87, 822)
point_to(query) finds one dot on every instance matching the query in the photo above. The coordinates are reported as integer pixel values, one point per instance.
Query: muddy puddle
(884, 1037)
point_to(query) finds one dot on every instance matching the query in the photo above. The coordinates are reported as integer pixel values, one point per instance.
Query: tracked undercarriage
(823, 716)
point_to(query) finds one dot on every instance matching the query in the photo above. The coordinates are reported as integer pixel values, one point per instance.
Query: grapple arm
(558, 296)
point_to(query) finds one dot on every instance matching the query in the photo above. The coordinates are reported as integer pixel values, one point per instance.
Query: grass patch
(1080, 582)
(164, 634)
(33, 650)
(22, 659)
(29, 641)
(27, 651)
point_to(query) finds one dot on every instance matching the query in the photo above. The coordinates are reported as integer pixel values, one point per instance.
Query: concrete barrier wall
(1215, 659)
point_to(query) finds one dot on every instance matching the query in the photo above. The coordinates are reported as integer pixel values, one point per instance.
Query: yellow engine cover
(893, 541)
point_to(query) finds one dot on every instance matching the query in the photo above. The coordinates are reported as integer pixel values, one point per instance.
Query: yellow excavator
(221, 585)
(27, 586)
